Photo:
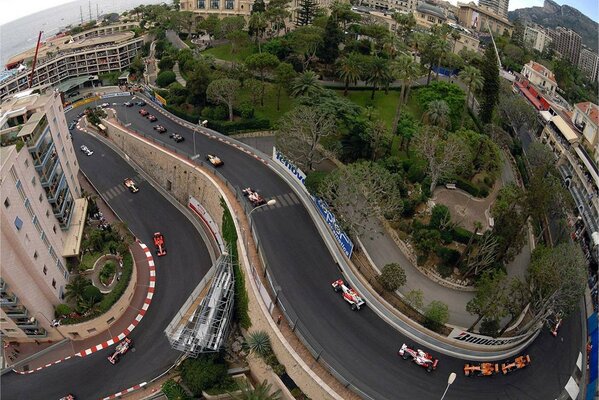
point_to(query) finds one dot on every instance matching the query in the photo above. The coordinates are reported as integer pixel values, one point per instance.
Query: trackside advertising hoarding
(289, 166)
(473, 338)
(201, 212)
(329, 217)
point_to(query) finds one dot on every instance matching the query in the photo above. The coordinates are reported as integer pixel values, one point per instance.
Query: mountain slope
(552, 15)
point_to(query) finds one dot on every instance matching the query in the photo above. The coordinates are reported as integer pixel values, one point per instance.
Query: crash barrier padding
(593, 357)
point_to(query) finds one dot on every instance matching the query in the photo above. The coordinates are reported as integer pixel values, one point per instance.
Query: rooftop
(590, 109)
(541, 69)
(431, 9)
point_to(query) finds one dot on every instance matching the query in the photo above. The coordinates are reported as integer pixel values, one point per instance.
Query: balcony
(3, 286)
(26, 323)
(36, 333)
(48, 171)
(55, 188)
(33, 129)
(7, 299)
(41, 155)
(15, 311)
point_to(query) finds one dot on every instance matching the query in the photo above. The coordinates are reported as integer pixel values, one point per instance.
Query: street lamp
(270, 202)
(193, 132)
(450, 380)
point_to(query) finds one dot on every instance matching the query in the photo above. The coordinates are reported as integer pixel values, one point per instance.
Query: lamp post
(450, 380)
(200, 123)
(270, 202)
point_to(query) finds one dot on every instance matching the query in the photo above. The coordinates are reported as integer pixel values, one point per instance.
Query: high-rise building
(499, 7)
(588, 63)
(536, 37)
(42, 213)
(567, 43)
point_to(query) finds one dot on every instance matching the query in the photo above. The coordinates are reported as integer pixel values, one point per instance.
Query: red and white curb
(122, 335)
(126, 391)
(138, 317)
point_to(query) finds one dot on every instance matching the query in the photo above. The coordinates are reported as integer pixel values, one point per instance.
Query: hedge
(461, 235)
(241, 296)
(227, 127)
(193, 118)
(173, 391)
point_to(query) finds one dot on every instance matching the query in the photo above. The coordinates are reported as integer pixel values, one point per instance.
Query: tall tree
(350, 68)
(328, 51)
(405, 69)
(407, 129)
(491, 291)
(490, 92)
(284, 75)
(305, 41)
(442, 155)
(258, 7)
(405, 24)
(257, 26)
(305, 84)
(437, 114)
(262, 63)
(473, 79)
(380, 139)
(224, 91)
(300, 132)
(510, 221)
(308, 9)
(378, 73)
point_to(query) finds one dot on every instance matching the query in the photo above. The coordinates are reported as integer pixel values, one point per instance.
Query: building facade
(567, 43)
(42, 213)
(540, 76)
(93, 52)
(588, 63)
(536, 37)
(499, 7)
(481, 19)
(228, 8)
(586, 119)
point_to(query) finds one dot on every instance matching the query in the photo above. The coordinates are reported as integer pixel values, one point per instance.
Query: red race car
(420, 357)
(143, 112)
(349, 294)
(159, 244)
(120, 349)
(152, 118)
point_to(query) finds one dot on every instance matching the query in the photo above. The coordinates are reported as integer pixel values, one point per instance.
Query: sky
(12, 10)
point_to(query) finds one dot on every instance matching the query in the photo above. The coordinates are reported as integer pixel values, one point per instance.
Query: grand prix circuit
(359, 345)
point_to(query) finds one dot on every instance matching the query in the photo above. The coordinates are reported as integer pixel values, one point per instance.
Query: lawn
(269, 110)
(384, 104)
(88, 260)
(223, 52)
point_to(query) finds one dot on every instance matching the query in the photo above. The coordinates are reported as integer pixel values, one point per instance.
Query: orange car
(483, 369)
(518, 363)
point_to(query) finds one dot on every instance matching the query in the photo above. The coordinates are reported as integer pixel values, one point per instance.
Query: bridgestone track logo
(484, 340)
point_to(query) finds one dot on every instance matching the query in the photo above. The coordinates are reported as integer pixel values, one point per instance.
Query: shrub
(314, 180)
(166, 63)
(220, 113)
(439, 216)
(392, 277)
(416, 171)
(444, 270)
(258, 342)
(204, 373)
(466, 186)
(107, 272)
(62, 310)
(226, 127)
(461, 235)
(246, 110)
(165, 78)
(193, 118)
(489, 327)
(173, 391)
(436, 315)
(409, 208)
(91, 294)
(415, 298)
(446, 237)
(448, 256)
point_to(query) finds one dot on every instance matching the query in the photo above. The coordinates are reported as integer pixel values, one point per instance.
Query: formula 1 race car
(176, 137)
(86, 150)
(130, 184)
(152, 118)
(214, 160)
(68, 397)
(518, 363)
(349, 294)
(120, 349)
(128, 104)
(159, 244)
(143, 112)
(483, 369)
(420, 357)
(160, 128)
(254, 197)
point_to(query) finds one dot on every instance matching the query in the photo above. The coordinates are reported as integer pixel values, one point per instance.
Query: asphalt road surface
(361, 346)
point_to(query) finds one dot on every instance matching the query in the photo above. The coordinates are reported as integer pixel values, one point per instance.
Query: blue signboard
(342, 238)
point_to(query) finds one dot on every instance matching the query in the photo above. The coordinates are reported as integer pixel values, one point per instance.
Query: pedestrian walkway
(38, 355)
(178, 75)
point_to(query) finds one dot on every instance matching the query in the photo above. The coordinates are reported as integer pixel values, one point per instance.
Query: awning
(72, 83)
(74, 235)
(565, 129)
(588, 165)
(546, 115)
(101, 127)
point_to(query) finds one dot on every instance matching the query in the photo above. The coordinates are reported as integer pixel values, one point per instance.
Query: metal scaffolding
(207, 327)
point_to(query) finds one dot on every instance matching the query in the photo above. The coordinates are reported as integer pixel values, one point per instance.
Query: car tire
(405, 356)
(429, 368)
(354, 307)
(336, 289)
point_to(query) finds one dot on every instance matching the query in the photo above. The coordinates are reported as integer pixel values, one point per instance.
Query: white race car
(349, 294)
(86, 150)
(214, 160)
(130, 184)
(420, 357)
(120, 349)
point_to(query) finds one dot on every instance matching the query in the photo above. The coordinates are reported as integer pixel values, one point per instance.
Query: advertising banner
(201, 212)
(342, 238)
(289, 166)
(161, 99)
(473, 338)
(475, 20)
(115, 94)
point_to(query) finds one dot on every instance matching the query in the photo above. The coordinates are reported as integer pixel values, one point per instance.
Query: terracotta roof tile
(590, 109)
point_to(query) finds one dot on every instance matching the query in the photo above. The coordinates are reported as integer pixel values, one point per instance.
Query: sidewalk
(124, 324)
(178, 75)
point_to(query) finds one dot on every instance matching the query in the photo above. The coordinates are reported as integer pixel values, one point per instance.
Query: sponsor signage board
(116, 94)
(342, 238)
(289, 166)
(481, 340)
(201, 212)
(161, 99)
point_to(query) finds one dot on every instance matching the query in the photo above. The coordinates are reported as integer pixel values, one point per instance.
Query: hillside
(552, 15)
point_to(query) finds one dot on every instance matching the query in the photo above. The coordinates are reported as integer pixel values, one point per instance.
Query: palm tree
(405, 69)
(75, 289)
(378, 73)
(260, 392)
(350, 68)
(455, 35)
(257, 25)
(473, 79)
(437, 113)
(258, 342)
(305, 84)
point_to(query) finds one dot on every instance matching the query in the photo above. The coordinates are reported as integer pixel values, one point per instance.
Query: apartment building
(93, 52)
(586, 119)
(567, 43)
(228, 8)
(540, 76)
(499, 7)
(536, 37)
(42, 213)
(588, 63)
(481, 19)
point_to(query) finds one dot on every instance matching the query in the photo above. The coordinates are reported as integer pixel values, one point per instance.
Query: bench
(450, 186)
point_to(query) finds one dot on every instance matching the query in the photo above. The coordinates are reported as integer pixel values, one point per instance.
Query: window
(35, 255)
(26, 163)
(33, 181)
(229, 4)
(54, 228)
(6, 202)
(45, 270)
(47, 213)
(201, 4)
(40, 198)
(214, 4)
(10, 330)
(18, 223)
(54, 283)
